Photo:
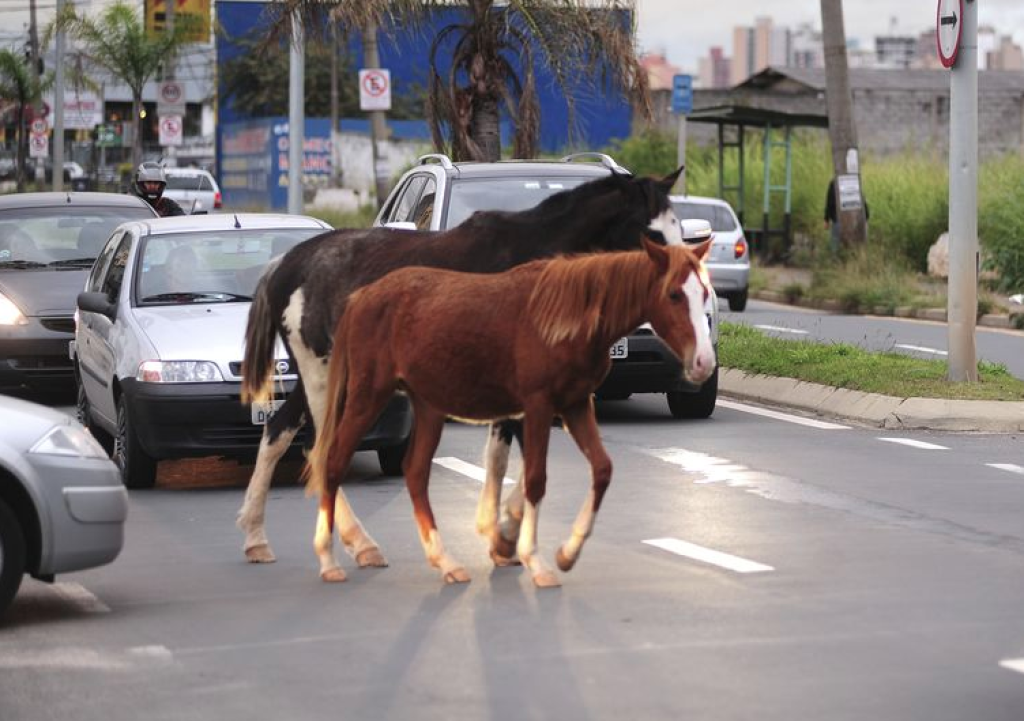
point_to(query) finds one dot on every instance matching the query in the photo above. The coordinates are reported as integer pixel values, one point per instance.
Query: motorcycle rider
(149, 185)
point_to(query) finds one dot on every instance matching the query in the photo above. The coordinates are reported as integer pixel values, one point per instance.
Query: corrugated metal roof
(1011, 81)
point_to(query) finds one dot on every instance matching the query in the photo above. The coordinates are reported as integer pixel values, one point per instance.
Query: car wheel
(695, 405)
(390, 459)
(138, 469)
(738, 301)
(12, 556)
(84, 415)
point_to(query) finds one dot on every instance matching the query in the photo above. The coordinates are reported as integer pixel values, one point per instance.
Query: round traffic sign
(375, 83)
(948, 29)
(39, 126)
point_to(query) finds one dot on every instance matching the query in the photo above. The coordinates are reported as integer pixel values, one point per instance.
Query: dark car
(48, 243)
(438, 194)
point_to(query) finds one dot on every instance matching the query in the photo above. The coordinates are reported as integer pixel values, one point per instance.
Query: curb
(873, 409)
(990, 320)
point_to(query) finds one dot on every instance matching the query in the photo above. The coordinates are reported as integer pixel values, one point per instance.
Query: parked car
(48, 242)
(194, 189)
(62, 505)
(728, 263)
(159, 339)
(437, 194)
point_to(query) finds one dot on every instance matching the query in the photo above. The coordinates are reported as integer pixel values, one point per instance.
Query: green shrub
(1001, 220)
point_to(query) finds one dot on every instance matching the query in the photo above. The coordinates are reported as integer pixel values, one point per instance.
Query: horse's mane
(600, 292)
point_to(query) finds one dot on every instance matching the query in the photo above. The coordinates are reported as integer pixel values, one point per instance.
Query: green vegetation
(362, 218)
(907, 197)
(846, 366)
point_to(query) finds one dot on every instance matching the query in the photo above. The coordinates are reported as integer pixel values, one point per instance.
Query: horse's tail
(319, 464)
(260, 332)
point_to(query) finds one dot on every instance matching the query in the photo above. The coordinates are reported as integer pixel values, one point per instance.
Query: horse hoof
(564, 562)
(503, 547)
(504, 561)
(546, 579)
(332, 575)
(371, 558)
(457, 575)
(260, 554)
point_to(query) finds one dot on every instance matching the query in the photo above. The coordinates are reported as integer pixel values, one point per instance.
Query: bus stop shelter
(777, 127)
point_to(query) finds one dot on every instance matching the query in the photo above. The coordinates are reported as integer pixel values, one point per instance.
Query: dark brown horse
(301, 297)
(532, 342)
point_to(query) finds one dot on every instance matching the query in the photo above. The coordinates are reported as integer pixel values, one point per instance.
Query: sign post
(682, 105)
(39, 139)
(957, 39)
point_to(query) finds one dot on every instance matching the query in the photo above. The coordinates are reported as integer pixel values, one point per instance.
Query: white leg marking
(451, 570)
(543, 575)
(251, 517)
(323, 544)
(668, 225)
(495, 465)
(581, 528)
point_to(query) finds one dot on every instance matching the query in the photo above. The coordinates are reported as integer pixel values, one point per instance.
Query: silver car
(158, 342)
(194, 189)
(728, 263)
(62, 505)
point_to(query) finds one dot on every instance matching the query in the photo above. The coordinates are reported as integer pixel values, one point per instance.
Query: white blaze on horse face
(703, 363)
(668, 225)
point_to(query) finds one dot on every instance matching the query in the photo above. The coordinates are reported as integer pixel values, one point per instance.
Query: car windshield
(187, 182)
(211, 266)
(513, 194)
(63, 235)
(719, 216)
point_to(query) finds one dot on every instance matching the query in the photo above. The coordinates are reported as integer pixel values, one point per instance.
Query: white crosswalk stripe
(468, 469)
(923, 445)
(708, 555)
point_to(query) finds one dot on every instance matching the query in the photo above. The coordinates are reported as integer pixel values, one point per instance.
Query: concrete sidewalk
(873, 409)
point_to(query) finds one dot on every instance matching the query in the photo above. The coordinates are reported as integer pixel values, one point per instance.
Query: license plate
(620, 349)
(263, 412)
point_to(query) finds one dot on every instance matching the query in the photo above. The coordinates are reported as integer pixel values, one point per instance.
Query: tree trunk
(136, 129)
(841, 128)
(22, 147)
(485, 127)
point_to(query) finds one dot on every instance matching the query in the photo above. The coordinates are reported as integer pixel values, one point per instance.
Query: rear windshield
(63, 234)
(210, 267)
(188, 182)
(512, 194)
(719, 216)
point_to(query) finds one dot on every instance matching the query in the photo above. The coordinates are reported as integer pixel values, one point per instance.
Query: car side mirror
(97, 303)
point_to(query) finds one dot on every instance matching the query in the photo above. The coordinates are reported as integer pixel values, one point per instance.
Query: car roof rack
(441, 158)
(605, 160)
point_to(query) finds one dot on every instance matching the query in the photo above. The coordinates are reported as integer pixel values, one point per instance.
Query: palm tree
(19, 86)
(115, 41)
(492, 66)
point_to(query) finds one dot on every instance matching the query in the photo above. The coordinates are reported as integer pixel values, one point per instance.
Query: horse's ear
(702, 249)
(669, 180)
(657, 253)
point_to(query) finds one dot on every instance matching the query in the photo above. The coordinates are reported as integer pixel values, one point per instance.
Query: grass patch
(362, 218)
(847, 366)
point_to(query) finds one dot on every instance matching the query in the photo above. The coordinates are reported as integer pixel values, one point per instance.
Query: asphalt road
(922, 339)
(869, 575)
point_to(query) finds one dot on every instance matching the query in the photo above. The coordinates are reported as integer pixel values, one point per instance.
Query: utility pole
(841, 129)
(296, 115)
(962, 288)
(335, 151)
(37, 106)
(58, 109)
(378, 127)
(172, 61)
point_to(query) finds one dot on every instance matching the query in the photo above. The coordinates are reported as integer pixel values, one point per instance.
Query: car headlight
(10, 314)
(153, 371)
(69, 440)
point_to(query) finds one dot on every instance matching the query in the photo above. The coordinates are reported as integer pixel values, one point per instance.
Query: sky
(685, 29)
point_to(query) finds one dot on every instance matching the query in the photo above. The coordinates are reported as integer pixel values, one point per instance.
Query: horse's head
(676, 306)
(640, 207)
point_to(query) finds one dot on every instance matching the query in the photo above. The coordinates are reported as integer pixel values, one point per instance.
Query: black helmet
(150, 173)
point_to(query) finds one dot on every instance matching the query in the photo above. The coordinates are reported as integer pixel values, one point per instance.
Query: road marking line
(781, 329)
(78, 595)
(1014, 664)
(708, 555)
(780, 416)
(915, 444)
(921, 349)
(1011, 467)
(468, 469)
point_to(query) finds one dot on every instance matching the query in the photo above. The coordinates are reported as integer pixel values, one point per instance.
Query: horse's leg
(582, 425)
(537, 431)
(356, 540)
(278, 434)
(362, 407)
(499, 440)
(425, 436)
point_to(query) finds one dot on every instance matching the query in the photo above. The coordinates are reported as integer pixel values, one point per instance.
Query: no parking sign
(170, 130)
(375, 89)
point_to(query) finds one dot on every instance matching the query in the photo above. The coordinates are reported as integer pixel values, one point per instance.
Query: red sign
(948, 29)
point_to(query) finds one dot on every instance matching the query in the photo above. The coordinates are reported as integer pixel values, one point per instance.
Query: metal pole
(681, 152)
(37, 105)
(962, 311)
(58, 110)
(296, 117)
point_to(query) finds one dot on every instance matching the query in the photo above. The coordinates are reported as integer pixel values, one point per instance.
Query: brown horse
(532, 342)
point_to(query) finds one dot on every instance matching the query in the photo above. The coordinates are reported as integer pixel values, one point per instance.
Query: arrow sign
(948, 30)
